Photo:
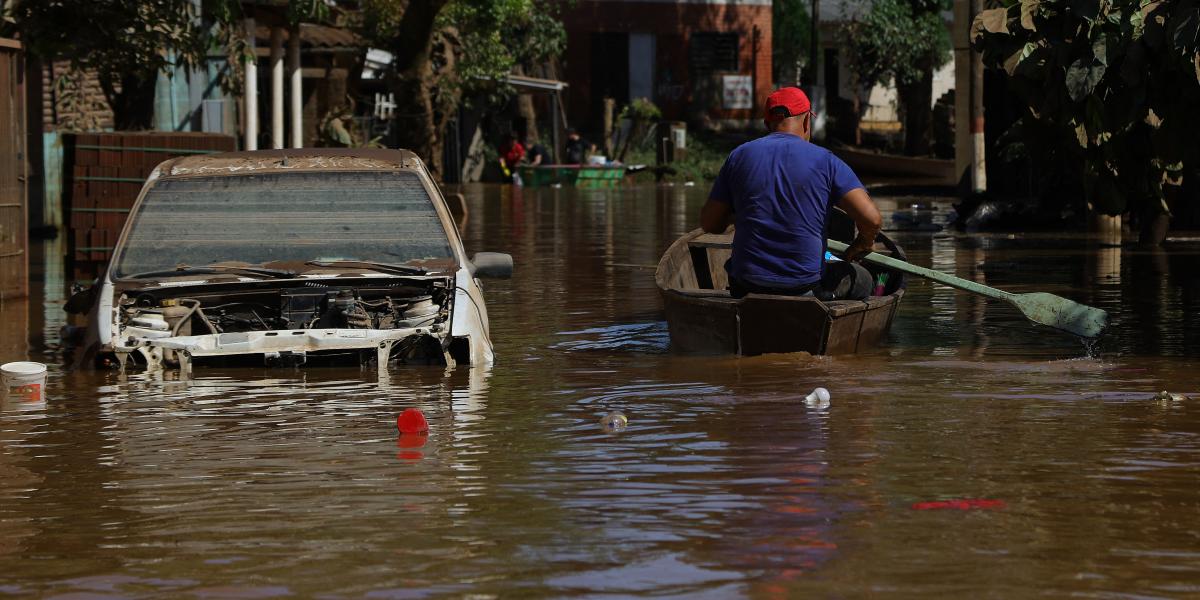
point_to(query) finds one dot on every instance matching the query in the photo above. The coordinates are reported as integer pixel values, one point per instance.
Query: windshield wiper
(213, 269)
(381, 267)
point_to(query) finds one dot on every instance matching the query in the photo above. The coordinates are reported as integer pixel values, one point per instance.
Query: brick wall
(72, 100)
(103, 174)
(672, 23)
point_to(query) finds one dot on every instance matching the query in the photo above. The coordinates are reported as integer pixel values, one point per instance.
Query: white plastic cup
(24, 382)
(818, 399)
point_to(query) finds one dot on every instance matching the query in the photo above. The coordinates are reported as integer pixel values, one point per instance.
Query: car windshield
(385, 217)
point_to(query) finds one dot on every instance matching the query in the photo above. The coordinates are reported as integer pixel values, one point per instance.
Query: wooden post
(978, 143)
(963, 144)
(14, 172)
(610, 106)
(554, 127)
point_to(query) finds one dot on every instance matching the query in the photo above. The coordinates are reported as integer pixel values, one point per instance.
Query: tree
(445, 50)
(127, 43)
(901, 41)
(791, 30)
(1115, 83)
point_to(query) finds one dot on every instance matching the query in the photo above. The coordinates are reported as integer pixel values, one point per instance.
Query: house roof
(520, 81)
(313, 36)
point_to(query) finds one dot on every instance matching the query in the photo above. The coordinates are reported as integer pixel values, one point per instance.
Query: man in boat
(511, 153)
(537, 154)
(778, 191)
(577, 148)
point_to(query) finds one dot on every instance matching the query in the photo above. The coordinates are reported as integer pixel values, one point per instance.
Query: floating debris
(412, 421)
(961, 504)
(818, 399)
(1166, 397)
(614, 422)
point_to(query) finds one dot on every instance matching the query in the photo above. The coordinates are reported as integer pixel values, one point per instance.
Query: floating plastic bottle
(818, 399)
(1166, 397)
(614, 422)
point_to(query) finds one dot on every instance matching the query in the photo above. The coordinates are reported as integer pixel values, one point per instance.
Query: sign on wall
(737, 91)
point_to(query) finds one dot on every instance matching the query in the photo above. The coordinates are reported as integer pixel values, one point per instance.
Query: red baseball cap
(791, 99)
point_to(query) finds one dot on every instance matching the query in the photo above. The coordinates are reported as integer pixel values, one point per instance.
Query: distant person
(538, 155)
(778, 190)
(577, 149)
(511, 153)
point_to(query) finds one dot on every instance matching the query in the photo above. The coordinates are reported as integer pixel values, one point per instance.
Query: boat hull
(764, 324)
(936, 170)
(704, 319)
(580, 176)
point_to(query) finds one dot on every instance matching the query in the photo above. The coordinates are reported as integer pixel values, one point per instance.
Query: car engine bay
(371, 320)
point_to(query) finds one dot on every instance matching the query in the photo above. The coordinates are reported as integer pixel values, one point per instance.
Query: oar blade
(1060, 313)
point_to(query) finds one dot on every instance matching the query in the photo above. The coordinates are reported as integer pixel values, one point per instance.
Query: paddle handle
(896, 264)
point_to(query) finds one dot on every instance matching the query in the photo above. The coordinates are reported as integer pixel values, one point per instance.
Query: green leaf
(1100, 50)
(1082, 77)
(1186, 37)
(994, 20)
(1029, 8)
(1018, 58)
(1087, 10)
(1133, 67)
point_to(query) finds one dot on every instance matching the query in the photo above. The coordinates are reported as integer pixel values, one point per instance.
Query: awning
(533, 83)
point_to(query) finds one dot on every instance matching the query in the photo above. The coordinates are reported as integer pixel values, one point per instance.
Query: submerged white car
(287, 257)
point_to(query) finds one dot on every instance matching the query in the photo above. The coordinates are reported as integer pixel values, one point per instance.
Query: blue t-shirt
(781, 188)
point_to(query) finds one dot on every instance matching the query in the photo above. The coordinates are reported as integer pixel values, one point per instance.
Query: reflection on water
(263, 483)
(640, 337)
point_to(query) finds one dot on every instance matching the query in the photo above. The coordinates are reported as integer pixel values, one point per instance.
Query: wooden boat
(703, 318)
(867, 162)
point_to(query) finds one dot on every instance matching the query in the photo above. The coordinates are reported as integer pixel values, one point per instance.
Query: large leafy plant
(900, 42)
(1116, 84)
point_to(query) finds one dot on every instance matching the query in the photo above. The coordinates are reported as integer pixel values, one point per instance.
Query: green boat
(580, 176)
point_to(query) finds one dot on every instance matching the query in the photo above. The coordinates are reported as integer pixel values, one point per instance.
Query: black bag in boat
(841, 280)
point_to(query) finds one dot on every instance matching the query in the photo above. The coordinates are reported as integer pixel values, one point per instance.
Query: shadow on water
(263, 483)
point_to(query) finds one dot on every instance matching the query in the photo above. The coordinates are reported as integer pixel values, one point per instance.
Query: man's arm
(866, 216)
(716, 216)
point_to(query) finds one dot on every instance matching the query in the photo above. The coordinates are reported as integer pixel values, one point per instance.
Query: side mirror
(81, 300)
(495, 265)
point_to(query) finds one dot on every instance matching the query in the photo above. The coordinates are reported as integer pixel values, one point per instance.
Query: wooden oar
(1039, 307)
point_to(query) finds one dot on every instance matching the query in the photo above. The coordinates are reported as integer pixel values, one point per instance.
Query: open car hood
(357, 320)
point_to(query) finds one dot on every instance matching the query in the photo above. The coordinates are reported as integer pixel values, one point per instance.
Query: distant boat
(703, 318)
(869, 162)
(581, 176)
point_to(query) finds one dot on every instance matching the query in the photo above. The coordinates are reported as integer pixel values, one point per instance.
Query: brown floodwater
(262, 483)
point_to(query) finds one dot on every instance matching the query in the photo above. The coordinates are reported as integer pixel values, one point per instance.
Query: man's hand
(866, 217)
(859, 249)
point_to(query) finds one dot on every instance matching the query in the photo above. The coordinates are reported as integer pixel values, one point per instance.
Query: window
(710, 52)
(284, 217)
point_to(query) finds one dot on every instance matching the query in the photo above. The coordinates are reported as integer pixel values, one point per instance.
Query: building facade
(705, 61)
